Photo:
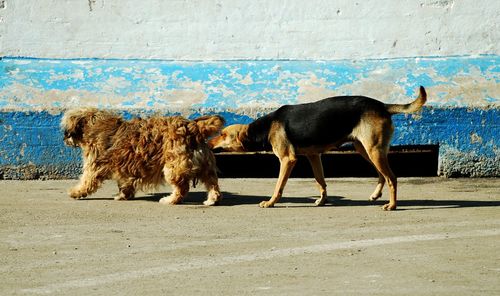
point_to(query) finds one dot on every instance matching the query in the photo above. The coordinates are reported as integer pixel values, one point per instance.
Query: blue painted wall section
(462, 115)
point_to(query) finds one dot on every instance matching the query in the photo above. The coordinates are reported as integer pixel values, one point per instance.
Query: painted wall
(248, 30)
(243, 59)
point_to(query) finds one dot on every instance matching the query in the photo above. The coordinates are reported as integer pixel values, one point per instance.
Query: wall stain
(91, 4)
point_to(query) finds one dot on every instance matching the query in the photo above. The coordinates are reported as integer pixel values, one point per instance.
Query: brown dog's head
(73, 125)
(77, 123)
(231, 138)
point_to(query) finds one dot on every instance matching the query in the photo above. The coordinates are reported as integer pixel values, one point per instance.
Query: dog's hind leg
(377, 193)
(317, 167)
(375, 139)
(126, 189)
(179, 190)
(377, 147)
(179, 182)
(379, 159)
(211, 183)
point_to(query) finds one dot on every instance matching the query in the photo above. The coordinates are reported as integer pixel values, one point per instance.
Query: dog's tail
(409, 108)
(209, 125)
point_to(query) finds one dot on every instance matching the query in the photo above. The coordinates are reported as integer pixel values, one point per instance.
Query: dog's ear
(242, 132)
(238, 135)
(242, 136)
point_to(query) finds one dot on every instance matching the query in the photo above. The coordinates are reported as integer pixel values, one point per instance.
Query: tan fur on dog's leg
(379, 159)
(178, 193)
(212, 184)
(284, 150)
(317, 167)
(286, 166)
(377, 193)
(126, 189)
(214, 196)
(180, 183)
(90, 181)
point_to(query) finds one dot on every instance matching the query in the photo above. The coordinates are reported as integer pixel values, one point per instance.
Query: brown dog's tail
(409, 108)
(209, 125)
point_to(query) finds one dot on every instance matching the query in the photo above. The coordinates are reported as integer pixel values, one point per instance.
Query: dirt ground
(444, 239)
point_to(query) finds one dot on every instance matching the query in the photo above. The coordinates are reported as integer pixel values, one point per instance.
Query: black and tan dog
(313, 128)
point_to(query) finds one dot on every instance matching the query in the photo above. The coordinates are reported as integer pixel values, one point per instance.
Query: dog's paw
(320, 201)
(389, 207)
(210, 202)
(266, 204)
(165, 201)
(77, 194)
(374, 196)
(120, 197)
(169, 200)
(213, 198)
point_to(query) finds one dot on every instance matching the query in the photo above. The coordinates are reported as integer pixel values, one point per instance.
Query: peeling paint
(31, 84)
(475, 138)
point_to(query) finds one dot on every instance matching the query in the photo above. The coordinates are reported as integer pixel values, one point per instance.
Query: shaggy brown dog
(142, 153)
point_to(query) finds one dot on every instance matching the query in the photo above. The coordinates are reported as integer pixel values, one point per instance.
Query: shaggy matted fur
(142, 153)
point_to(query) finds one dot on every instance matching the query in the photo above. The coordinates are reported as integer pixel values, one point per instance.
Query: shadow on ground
(231, 199)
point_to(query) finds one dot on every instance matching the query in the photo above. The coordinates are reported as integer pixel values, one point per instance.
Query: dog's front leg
(317, 167)
(286, 165)
(90, 181)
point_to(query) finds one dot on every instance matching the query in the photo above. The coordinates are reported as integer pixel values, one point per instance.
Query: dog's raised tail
(209, 125)
(409, 108)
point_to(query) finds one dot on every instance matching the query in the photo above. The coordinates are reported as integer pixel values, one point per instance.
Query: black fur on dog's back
(319, 123)
(327, 121)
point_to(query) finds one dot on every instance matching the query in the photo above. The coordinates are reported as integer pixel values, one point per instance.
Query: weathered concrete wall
(243, 59)
(249, 30)
(461, 116)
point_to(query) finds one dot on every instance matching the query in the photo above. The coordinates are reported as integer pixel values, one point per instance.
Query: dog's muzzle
(70, 142)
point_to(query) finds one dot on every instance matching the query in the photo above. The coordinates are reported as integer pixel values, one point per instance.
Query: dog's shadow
(229, 199)
(233, 199)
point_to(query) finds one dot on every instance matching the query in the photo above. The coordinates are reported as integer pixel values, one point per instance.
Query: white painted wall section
(248, 30)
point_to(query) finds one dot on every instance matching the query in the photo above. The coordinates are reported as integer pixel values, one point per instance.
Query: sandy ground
(444, 239)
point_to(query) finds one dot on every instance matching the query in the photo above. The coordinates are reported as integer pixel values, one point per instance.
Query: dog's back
(327, 121)
(317, 123)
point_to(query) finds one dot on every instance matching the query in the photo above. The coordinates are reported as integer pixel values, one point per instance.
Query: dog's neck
(257, 138)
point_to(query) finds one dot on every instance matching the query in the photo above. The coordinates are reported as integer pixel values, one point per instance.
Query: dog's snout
(212, 143)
